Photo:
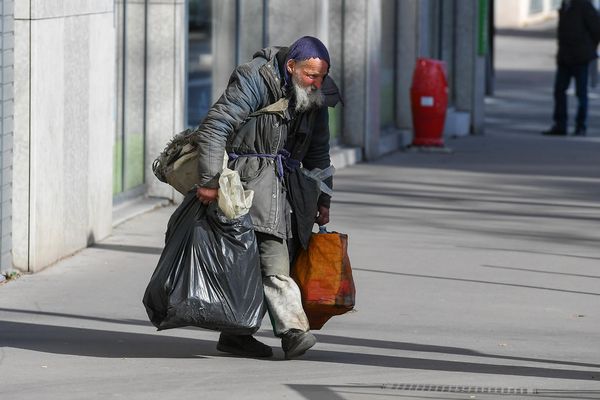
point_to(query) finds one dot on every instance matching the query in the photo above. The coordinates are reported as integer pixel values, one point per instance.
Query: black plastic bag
(208, 274)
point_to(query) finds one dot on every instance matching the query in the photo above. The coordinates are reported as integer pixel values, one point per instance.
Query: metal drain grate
(454, 388)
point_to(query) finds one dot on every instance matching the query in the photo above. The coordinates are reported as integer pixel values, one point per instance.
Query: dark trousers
(564, 73)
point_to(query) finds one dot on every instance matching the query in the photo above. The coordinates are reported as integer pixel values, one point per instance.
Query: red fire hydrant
(429, 100)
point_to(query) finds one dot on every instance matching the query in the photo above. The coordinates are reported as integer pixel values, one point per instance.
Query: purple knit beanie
(304, 48)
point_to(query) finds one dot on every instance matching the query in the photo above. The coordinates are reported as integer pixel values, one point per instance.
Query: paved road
(478, 276)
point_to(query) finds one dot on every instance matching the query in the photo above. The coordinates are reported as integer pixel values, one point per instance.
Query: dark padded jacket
(578, 32)
(231, 126)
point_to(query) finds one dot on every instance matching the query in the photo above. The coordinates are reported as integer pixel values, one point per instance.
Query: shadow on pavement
(537, 271)
(100, 343)
(462, 193)
(448, 366)
(127, 248)
(323, 338)
(476, 281)
(555, 159)
(530, 252)
(111, 344)
(138, 322)
(545, 33)
(583, 238)
(455, 199)
(403, 346)
(510, 84)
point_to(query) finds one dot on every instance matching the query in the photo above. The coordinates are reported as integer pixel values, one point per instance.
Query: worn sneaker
(295, 343)
(243, 345)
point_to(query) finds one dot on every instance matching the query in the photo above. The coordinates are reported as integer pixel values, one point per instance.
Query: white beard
(306, 98)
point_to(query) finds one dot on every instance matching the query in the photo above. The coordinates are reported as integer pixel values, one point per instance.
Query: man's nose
(317, 84)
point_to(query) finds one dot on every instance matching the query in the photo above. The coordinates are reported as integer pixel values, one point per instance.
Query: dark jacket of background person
(578, 32)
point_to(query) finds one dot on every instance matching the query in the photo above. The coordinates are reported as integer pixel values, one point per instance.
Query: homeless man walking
(291, 89)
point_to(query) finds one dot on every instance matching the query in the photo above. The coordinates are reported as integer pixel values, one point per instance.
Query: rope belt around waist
(282, 159)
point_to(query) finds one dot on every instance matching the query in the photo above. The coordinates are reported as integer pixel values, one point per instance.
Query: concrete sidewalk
(477, 276)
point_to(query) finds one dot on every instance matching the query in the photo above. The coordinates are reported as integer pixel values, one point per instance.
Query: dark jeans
(564, 73)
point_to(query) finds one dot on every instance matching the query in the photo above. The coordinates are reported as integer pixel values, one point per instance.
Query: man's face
(308, 74)
(307, 78)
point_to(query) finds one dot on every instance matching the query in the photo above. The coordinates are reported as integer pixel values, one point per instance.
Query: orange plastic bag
(324, 276)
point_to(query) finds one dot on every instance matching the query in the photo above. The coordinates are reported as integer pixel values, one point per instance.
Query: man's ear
(290, 65)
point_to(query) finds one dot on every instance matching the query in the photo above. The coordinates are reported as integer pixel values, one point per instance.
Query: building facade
(519, 13)
(100, 88)
(7, 51)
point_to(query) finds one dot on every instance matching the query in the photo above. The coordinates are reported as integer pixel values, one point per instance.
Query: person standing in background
(578, 37)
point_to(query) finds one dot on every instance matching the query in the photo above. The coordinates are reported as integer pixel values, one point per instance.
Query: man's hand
(322, 216)
(207, 195)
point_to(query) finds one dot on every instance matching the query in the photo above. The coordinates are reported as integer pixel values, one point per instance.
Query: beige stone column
(64, 128)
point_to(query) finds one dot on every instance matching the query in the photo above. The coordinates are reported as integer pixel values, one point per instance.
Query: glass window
(335, 122)
(388, 63)
(131, 74)
(335, 40)
(200, 60)
(536, 6)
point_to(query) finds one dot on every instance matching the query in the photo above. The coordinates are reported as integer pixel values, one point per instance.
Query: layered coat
(254, 138)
